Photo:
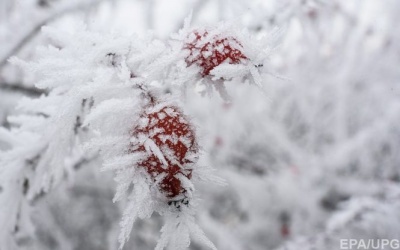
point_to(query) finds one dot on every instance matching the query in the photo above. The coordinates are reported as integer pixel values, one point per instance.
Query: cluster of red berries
(171, 132)
(208, 51)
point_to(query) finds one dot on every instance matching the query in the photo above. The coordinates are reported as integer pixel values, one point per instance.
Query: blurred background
(314, 159)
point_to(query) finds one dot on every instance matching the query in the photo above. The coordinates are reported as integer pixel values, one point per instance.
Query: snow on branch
(11, 47)
(105, 96)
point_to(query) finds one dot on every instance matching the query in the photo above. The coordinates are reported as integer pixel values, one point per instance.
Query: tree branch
(59, 11)
(19, 88)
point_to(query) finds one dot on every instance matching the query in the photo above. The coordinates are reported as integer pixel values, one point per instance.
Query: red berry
(209, 52)
(219, 141)
(285, 232)
(284, 218)
(171, 132)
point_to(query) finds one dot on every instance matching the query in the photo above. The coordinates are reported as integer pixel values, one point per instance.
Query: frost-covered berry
(209, 51)
(168, 140)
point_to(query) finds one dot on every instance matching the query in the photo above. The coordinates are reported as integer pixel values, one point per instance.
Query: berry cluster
(210, 51)
(169, 130)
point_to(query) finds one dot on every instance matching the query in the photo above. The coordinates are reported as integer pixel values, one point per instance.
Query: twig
(29, 91)
(58, 12)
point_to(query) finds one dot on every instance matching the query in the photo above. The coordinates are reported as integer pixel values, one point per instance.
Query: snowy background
(311, 159)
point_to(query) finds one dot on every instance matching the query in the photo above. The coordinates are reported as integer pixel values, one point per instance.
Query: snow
(311, 134)
(151, 147)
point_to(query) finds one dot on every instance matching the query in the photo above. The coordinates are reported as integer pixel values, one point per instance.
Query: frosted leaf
(256, 76)
(122, 162)
(110, 106)
(229, 71)
(139, 206)
(178, 229)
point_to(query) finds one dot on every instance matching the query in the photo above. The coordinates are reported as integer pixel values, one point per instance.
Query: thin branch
(59, 11)
(19, 88)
